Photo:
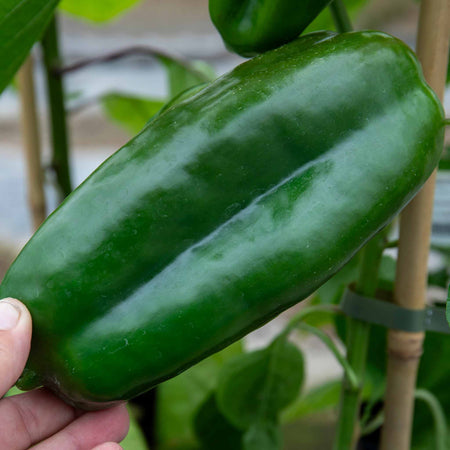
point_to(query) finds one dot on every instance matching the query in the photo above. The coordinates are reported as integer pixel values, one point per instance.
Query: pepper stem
(340, 16)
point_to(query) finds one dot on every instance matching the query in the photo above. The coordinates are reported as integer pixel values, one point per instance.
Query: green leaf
(98, 10)
(213, 430)
(258, 385)
(188, 93)
(324, 20)
(321, 398)
(262, 436)
(21, 25)
(13, 391)
(180, 398)
(130, 112)
(182, 76)
(135, 439)
(331, 291)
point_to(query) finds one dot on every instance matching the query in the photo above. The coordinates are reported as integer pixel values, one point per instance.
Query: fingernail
(9, 316)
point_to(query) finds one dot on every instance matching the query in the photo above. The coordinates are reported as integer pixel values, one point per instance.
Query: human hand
(39, 419)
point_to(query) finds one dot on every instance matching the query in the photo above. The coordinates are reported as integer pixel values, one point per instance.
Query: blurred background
(103, 99)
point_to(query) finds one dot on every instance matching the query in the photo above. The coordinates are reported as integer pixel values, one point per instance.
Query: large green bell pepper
(224, 211)
(250, 27)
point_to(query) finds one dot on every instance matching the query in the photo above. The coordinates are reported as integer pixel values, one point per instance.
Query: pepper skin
(224, 211)
(250, 27)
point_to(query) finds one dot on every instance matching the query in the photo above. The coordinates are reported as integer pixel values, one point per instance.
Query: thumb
(15, 338)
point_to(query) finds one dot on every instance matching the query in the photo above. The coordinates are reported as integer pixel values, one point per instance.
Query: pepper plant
(253, 202)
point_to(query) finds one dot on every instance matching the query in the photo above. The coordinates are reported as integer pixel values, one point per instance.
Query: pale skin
(38, 419)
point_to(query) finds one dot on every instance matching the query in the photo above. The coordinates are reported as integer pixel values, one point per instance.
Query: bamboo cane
(404, 349)
(31, 140)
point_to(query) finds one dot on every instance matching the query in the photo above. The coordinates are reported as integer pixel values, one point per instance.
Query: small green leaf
(213, 430)
(98, 10)
(324, 20)
(188, 93)
(321, 398)
(135, 439)
(21, 25)
(182, 76)
(180, 398)
(130, 112)
(13, 391)
(262, 436)
(258, 385)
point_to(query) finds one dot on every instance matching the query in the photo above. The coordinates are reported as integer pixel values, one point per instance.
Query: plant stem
(349, 373)
(438, 414)
(340, 16)
(136, 50)
(357, 344)
(310, 310)
(374, 424)
(55, 95)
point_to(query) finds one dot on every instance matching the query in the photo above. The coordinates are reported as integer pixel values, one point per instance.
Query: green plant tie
(390, 315)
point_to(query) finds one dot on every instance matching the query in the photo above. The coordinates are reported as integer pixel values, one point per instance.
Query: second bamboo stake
(405, 349)
(30, 132)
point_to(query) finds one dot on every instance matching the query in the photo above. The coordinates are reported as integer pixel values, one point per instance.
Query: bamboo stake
(32, 147)
(405, 349)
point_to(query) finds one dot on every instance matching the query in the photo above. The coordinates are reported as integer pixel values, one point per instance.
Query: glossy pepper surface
(224, 211)
(250, 27)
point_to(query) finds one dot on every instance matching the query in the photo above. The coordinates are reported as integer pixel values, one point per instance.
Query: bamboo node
(405, 346)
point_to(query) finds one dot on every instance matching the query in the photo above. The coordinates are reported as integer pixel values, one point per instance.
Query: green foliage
(130, 112)
(256, 386)
(264, 435)
(21, 25)
(253, 388)
(213, 430)
(318, 399)
(135, 439)
(98, 10)
(13, 391)
(182, 76)
(325, 22)
(133, 112)
(180, 397)
(444, 163)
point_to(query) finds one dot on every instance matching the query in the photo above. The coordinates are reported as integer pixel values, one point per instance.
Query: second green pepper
(250, 27)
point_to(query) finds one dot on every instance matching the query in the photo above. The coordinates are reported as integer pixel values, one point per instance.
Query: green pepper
(224, 211)
(250, 27)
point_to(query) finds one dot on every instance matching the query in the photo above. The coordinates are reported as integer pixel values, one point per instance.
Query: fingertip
(121, 418)
(22, 313)
(108, 446)
(15, 341)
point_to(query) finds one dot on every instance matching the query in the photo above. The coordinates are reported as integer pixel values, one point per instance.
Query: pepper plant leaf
(130, 112)
(179, 399)
(97, 11)
(324, 21)
(21, 25)
(183, 75)
(213, 430)
(318, 399)
(258, 385)
(262, 436)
